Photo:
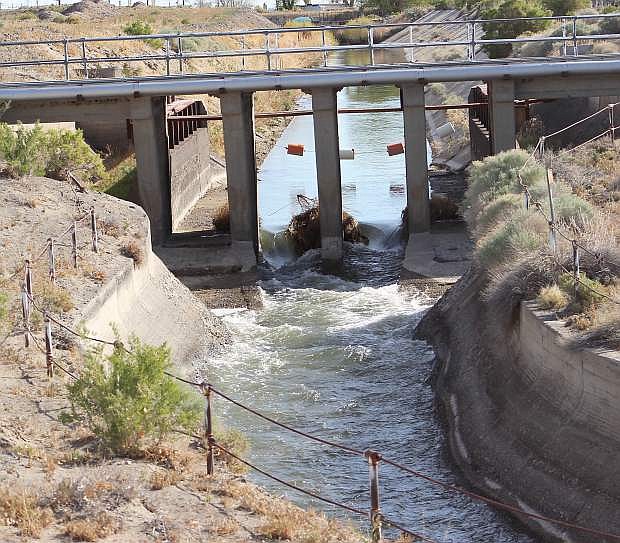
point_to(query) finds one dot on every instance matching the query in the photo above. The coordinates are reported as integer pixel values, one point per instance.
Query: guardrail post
(575, 50)
(323, 37)
(206, 390)
(612, 129)
(564, 47)
(93, 230)
(84, 64)
(167, 56)
(243, 49)
(51, 260)
(49, 355)
(375, 512)
(74, 248)
(371, 45)
(180, 52)
(472, 41)
(66, 49)
(267, 51)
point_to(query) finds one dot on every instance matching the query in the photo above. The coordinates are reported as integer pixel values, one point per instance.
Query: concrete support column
(238, 120)
(327, 151)
(502, 115)
(148, 117)
(416, 158)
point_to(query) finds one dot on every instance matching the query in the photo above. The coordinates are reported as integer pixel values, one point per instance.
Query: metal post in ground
(93, 230)
(66, 60)
(51, 260)
(375, 512)
(267, 51)
(28, 277)
(371, 44)
(552, 237)
(612, 129)
(206, 389)
(576, 269)
(84, 63)
(74, 248)
(49, 355)
(26, 315)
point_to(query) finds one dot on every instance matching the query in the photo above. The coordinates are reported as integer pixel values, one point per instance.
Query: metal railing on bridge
(171, 57)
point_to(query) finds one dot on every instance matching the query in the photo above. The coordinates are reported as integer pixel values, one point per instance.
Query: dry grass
(133, 250)
(53, 297)
(221, 219)
(22, 510)
(92, 528)
(552, 297)
(163, 479)
(225, 526)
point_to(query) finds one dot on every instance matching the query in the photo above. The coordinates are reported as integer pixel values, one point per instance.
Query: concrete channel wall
(191, 173)
(148, 301)
(530, 421)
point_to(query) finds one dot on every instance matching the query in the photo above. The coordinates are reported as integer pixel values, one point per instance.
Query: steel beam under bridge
(507, 82)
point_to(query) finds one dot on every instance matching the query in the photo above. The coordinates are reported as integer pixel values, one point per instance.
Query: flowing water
(335, 356)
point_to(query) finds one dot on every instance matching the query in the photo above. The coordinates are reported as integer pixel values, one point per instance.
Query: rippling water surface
(335, 356)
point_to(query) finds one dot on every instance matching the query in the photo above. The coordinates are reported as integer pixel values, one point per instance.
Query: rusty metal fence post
(49, 355)
(375, 512)
(74, 248)
(93, 230)
(552, 236)
(576, 270)
(26, 315)
(51, 260)
(206, 390)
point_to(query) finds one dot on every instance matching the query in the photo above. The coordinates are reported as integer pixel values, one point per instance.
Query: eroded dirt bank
(522, 436)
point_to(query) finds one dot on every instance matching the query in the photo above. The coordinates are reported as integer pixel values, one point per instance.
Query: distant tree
(565, 7)
(511, 9)
(285, 5)
(386, 7)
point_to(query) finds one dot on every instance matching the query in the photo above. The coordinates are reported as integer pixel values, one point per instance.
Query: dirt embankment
(516, 436)
(56, 484)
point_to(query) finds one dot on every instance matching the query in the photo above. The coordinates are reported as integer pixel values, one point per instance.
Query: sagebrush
(127, 400)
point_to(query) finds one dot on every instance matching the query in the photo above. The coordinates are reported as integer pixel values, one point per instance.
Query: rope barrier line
(345, 448)
(498, 504)
(290, 485)
(605, 133)
(606, 108)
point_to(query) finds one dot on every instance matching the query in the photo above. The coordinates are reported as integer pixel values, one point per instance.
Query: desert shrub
(34, 151)
(133, 250)
(572, 209)
(589, 291)
(552, 297)
(26, 16)
(72, 20)
(23, 510)
(498, 175)
(524, 233)
(605, 48)
(53, 298)
(142, 28)
(610, 25)
(68, 151)
(499, 210)
(605, 333)
(236, 442)
(92, 527)
(4, 307)
(126, 398)
(190, 44)
(565, 7)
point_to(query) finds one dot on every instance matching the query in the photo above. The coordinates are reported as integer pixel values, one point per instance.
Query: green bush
(4, 308)
(526, 232)
(190, 44)
(565, 7)
(498, 175)
(142, 28)
(499, 210)
(34, 151)
(589, 292)
(127, 400)
(570, 208)
(610, 25)
(354, 36)
(510, 9)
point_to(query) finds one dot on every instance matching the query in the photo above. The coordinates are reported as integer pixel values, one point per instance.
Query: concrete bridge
(142, 105)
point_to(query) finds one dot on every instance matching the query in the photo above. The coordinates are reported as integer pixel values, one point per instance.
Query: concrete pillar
(148, 116)
(238, 120)
(502, 115)
(416, 158)
(326, 145)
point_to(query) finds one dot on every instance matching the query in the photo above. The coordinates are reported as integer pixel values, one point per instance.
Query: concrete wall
(529, 421)
(191, 173)
(151, 303)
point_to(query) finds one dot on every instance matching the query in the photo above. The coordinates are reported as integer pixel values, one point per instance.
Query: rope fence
(554, 227)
